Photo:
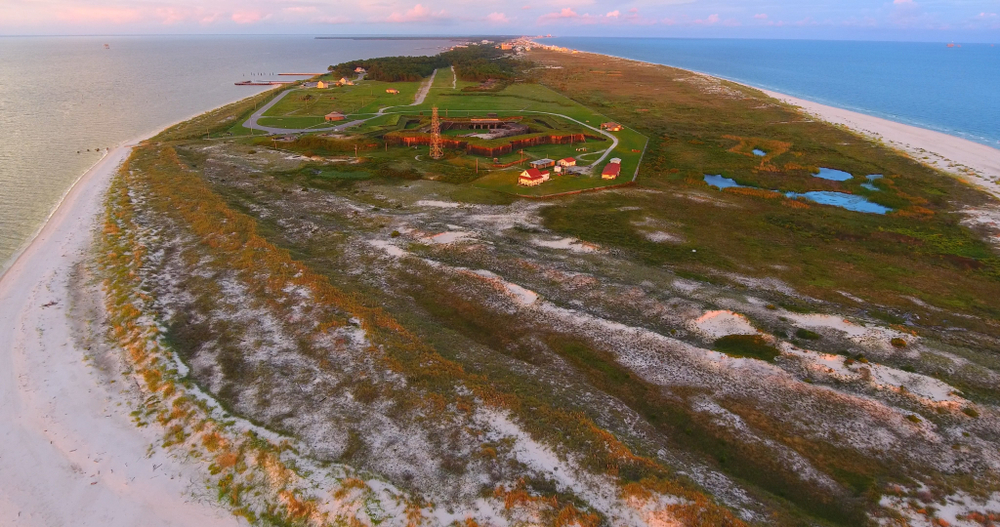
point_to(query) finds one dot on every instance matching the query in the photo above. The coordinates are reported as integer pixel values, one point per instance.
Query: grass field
(538, 105)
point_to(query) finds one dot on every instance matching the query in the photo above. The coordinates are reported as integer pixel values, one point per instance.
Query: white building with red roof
(532, 177)
(567, 162)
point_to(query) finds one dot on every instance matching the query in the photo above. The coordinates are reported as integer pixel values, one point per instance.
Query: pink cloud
(332, 20)
(300, 10)
(247, 17)
(712, 19)
(613, 17)
(115, 15)
(418, 13)
(497, 18)
(761, 16)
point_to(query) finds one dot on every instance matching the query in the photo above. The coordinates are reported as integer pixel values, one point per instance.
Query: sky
(921, 20)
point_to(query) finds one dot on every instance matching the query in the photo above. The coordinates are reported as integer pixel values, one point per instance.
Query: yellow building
(321, 85)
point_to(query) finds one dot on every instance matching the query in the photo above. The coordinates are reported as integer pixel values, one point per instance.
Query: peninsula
(510, 285)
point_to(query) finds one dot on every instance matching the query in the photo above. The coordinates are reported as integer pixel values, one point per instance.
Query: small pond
(845, 201)
(721, 182)
(871, 178)
(837, 199)
(759, 152)
(833, 175)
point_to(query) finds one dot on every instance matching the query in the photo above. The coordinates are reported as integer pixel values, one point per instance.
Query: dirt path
(425, 88)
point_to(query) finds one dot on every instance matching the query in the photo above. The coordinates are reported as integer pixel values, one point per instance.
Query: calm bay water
(951, 90)
(60, 95)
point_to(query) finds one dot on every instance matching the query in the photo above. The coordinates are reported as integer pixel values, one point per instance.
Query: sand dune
(71, 455)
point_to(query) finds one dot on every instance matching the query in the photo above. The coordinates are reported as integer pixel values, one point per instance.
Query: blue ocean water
(63, 98)
(951, 90)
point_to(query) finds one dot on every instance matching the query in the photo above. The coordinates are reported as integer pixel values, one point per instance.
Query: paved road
(253, 124)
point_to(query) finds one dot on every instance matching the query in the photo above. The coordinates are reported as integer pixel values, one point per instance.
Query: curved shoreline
(948, 153)
(71, 456)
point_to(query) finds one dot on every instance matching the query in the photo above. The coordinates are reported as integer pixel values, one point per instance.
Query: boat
(107, 46)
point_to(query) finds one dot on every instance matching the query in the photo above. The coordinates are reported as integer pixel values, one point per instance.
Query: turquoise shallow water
(60, 95)
(951, 90)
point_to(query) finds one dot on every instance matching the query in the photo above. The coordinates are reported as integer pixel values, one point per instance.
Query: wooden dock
(263, 83)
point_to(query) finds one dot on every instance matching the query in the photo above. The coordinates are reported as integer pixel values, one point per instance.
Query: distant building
(393, 91)
(344, 82)
(506, 46)
(532, 177)
(567, 162)
(359, 69)
(542, 163)
(617, 160)
(334, 116)
(558, 169)
(321, 85)
(611, 171)
(611, 127)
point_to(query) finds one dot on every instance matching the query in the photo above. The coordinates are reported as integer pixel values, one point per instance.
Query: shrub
(914, 418)
(970, 411)
(898, 343)
(807, 335)
(751, 346)
(395, 234)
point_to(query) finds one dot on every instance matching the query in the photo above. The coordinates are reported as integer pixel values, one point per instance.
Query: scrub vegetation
(348, 333)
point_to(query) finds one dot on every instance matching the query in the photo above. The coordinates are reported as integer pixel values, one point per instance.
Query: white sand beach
(972, 162)
(71, 454)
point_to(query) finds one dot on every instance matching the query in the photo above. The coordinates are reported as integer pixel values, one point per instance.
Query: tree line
(475, 63)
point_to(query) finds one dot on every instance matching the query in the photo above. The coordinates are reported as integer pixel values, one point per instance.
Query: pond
(837, 199)
(720, 182)
(842, 200)
(871, 178)
(833, 175)
(759, 152)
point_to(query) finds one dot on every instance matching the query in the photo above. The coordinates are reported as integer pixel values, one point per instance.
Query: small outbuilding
(532, 177)
(344, 82)
(392, 91)
(334, 116)
(611, 171)
(542, 163)
(616, 160)
(322, 85)
(611, 127)
(567, 162)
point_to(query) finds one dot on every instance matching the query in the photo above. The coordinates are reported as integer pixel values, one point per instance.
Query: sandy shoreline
(71, 455)
(972, 162)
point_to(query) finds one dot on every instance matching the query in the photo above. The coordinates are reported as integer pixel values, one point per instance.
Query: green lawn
(365, 97)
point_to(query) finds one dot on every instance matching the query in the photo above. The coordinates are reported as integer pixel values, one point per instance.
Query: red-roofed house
(611, 171)
(532, 177)
(567, 162)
